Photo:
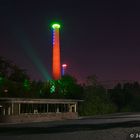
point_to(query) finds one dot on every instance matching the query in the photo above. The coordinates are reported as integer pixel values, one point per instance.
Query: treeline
(126, 97)
(121, 98)
(15, 82)
(66, 88)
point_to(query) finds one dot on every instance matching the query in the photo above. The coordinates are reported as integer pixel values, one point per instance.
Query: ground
(116, 127)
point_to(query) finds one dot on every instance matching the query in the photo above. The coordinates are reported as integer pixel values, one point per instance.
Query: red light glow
(56, 67)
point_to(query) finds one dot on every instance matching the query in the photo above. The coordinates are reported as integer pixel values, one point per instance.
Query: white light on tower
(64, 66)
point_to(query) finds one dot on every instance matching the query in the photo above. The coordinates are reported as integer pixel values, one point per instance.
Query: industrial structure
(64, 66)
(56, 64)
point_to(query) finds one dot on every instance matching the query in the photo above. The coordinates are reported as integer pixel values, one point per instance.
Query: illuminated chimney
(56, 66)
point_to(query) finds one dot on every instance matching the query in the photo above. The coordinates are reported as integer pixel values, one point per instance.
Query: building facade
(30, 110)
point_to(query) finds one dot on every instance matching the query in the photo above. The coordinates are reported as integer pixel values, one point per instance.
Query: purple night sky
(98, 37)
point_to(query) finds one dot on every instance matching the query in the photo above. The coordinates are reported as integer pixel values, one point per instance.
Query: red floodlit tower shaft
(56, 66)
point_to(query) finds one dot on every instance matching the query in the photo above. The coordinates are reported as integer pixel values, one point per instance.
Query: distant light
(64, 65)
(5, 90)
(56, 26)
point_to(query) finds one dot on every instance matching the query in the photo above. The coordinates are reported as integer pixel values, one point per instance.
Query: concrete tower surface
(56, 64)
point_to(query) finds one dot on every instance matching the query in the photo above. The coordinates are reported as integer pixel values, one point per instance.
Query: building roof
(29, 100)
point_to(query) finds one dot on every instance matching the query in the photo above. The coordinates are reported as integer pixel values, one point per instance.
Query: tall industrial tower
(56, 64)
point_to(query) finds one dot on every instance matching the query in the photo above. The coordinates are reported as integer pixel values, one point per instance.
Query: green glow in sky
(30, 51)
(54, 26)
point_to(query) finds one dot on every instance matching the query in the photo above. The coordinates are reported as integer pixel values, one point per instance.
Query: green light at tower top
(54, 26)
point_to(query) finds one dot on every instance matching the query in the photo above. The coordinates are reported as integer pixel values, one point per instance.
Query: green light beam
(32, 55)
